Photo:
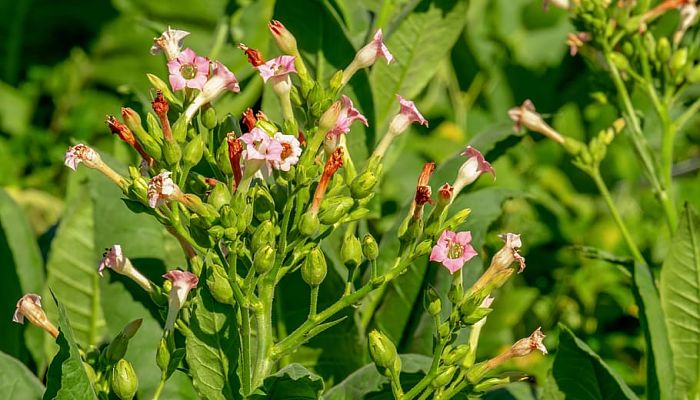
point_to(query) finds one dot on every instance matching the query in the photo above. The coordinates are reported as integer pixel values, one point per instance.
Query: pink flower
(29, 306)
(348, 114)
(527, 116)
(260, 146)
(512, 245)
(285, 40)
(576, 41)
(114, 259)
(170, 42)
(162, 189)
(188, 70)
(471, 169)
(222, 79)
(182, 283)
(453, 250)
(291, 150)
(368, 55)
(407, 115)
(81, 153)
(277, 68)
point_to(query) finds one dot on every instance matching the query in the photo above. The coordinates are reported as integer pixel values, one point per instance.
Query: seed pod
(383, 353)
(208, 117)
(370, 249)
(263, 235)
(123, 381)
(219, 196)
(193, 152)
(308, 224)
(334, 208)
(219, 285)
(314, 269)
(351, 252)
(443, 377)
(363, 185)
(172, 153)
(264, 259)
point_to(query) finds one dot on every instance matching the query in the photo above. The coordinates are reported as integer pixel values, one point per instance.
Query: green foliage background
(67, 64)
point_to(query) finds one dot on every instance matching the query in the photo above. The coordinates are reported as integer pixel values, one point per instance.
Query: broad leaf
(293, 382)
(212, 348)
(72, 266)
(658, 349)
(22, 272)
(423, 38)
(581, 374)
(16, 381)
(680, 299)
(67, 378)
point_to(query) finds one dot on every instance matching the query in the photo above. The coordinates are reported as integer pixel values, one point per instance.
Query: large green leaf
(72, 265)
(293, 382)
(680, 299)
(67, 378)
(22, 272)
(16, 381)
(212, 348)
(423, 38)
(581, 374)
(659, 356)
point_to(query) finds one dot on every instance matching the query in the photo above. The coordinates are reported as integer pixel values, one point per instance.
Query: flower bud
(172, 153)
(245, 217)
(456, 355)
(123, 380)
(308, 224)
(678, 60)
(263, 235)
(267, 126)
(363, 185)
(370, 249)
(432, 302)
(314, 269)
(490, 383)
(444, 329)
(163, 355)
(193, 152)
(222, 158)
(693, 75)
(264, 204)
(219, 285)
(284, 39)
(424, 248)
(219, 196)
(117, 348)
(179, 129)
(133, 121)
(208, 117)
(154, 128)
(663, 49)
(163, 87)
(329, 118)
(351, 252)
(443, 377)
(336, 81)
(334, 208)
(476, 315)
(264, 259)
(228, 216)
(383, 353)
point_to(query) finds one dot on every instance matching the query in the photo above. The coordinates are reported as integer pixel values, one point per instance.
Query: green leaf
(212, 348)
(680, 299)
(16, 381)
(291, 382)
(422, 39)
(21, 273)
(72, 265)
(67, 378)
(581, 374)
(367, 380)
(659, 356)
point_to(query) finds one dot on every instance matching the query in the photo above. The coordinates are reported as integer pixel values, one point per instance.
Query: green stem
(160, 387)
(368, 312)
(233, 277)
(396, 385)
(263, 322)
(314, 302)
(432, 373)
(245, 350)
(688, 114)
(603, 189)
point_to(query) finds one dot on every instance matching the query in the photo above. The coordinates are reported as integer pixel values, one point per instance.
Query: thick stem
(263, 322)
(245, 350)
(314, 302)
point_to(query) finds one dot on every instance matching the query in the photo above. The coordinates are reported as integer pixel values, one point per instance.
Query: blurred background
(67, 64)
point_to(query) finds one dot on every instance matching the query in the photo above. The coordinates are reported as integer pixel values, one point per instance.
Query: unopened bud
(678, 60)
(117, 348)
(153, 127)
(334, 208)
(309, 224)
(433, 303)
(693, 75)
(314, 269)
(490, 383)
(264, 204)
(222, 158)
(456, 355)
(267, 126)
(663, 49)
(363, 185)
(443, 377)
(336, 81)
(620, 61)
(193, 152)
(180, 129)
(263, 235)
(476, 315)
(383, 353)
(228, 216)
(133, 121)
(219, 285)
(163, 353)
(172, 152)
(208, 117)
(284, 39)
(329, 118)
(351, 252)
(124, 382)
(370, 249)
(219, 196)
(264, 259)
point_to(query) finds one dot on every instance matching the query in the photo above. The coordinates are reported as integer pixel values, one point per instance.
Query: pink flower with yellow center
(260, 146)
(453, 249)
(188, 70)
(348, 114)
(291, 150)
(277, 68)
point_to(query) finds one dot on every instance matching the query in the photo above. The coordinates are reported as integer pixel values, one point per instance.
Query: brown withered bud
(301, 138)
(333, 164)
(235, 150)
(127, 136)
(161, 106)
(255, 58)
(249, 119)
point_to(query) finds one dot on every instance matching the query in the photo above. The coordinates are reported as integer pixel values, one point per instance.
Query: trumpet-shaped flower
(347, 115)
(527, 116)
(475, 166)
(29, 306)
(81, 153)
(182, 283)
(170, 43)
(162, 189)
(114, 259)
(453, 249)
(277, 68)
(188, 70)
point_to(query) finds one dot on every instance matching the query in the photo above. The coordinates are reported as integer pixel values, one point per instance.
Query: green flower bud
(245, 217)
(193, 152)
(411, 230)
(159, 84)
(351, 252)
(208, 117)
(370, 249)
(329, 118)
(123, 381)
(628, 49)
(432, 302)
(267, 126)
(219, 196)
(172, 153)
(693, 75)
(383, 353)
(222, 160)
(476, 315)
(663, 49)
(336, 81)
(443, 377)
(264, 259)
(456, 355)
(490, 383)
(444, 329)
(333, 208)
(679, 59)
(263, 235)
(314, 269)
(163, 354)
(316, 94)
(216, 232)
(620, 61)
(133, 122)
(196, 265)
(308, 224)
(264, 205)
(154, 128)
(139, 188)
(290, 127)
(295, 96)
(228, 216)
(117, 348)
(458, 219)
(363, 185)
(219, 285)
(179, 129)
(424, 248)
